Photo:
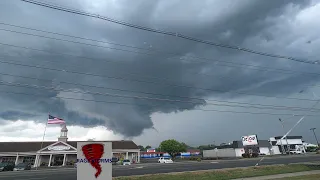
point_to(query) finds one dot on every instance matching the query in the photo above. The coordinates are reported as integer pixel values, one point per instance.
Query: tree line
(174, 147)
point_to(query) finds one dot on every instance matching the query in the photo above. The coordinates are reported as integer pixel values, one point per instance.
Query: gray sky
(280, 27)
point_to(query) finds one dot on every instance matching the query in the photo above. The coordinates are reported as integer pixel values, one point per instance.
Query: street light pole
(312, 129)
(285, 136)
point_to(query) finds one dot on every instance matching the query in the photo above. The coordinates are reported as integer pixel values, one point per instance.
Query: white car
(295, 152)
(165, 160)
(126, 162)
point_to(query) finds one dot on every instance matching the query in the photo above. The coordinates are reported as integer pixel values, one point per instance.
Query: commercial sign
(94, 160)
(249, 140)
(58, 148)
(151, 150)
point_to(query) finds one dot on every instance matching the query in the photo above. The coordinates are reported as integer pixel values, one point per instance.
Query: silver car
(126, 162)
(22, 167)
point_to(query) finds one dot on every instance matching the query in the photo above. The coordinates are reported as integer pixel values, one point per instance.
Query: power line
(88, 58)
(76, 42)
(94, 40)
(150, 82)
(178, 35)
(241, 65)
(130, 74)
(130, 104)
(147, 98)
(130, 46)
(148, 93)
(136, 74)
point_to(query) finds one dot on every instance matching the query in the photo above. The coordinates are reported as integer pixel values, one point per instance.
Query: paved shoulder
(282, 175)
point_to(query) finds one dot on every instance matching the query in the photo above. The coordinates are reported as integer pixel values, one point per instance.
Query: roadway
(153, 168)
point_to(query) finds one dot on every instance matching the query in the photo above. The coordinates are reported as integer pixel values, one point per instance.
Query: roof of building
(193, 150)
(261, 143)
(289, 137)
(36, 146)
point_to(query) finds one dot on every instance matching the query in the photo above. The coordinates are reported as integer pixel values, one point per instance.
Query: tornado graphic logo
(93, 152)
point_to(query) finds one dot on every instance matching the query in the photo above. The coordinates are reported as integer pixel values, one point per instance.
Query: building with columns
(59, 153)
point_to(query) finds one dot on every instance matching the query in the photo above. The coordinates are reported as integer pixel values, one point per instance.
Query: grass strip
(225, 174)
(306, 177)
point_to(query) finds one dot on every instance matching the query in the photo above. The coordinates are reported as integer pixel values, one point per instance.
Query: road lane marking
(259, 161)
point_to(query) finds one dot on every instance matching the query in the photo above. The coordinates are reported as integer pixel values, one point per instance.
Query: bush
(312, 149)
(70, 163)
(199, 159)
(254, 155)
(209, 158)
(245, 155)
(192, 158)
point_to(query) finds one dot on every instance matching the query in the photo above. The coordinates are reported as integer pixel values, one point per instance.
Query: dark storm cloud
(16, 115)
(164, 73)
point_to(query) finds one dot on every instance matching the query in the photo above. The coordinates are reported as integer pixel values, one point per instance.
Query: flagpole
(44, 134)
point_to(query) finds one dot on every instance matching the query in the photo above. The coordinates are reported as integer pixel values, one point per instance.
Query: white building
(58, 153)
(289, 143)
(236, 149)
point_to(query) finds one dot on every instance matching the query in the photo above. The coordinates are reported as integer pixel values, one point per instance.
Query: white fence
(219, 153)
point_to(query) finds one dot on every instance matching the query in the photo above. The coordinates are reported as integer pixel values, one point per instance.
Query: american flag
(55, 120)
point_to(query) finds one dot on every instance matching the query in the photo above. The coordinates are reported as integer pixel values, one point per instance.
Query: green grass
(306, 177)
(225, 174)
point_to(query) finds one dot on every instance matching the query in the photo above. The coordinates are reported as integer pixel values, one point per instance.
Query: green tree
(141, 148)
(185, 145)
(148, 147)
(172, 147)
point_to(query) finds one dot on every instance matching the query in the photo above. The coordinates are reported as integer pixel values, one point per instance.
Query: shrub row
(248, 155)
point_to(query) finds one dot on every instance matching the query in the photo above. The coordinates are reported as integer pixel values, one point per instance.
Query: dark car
(22, 167)
(6, 166)
(114, 160)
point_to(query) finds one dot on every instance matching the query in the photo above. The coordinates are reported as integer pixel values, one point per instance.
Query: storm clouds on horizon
(279, 27)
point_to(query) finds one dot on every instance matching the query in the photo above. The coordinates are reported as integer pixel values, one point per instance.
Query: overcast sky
(160, 67)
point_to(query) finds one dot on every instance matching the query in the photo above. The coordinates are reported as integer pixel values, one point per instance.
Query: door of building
(58, 160)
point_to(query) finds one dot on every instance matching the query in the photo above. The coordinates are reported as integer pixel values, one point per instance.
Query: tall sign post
(249, 140)
(94, 160)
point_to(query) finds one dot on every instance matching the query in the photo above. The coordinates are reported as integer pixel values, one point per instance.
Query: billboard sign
(94, 160)
(58, 148)
(249, 140)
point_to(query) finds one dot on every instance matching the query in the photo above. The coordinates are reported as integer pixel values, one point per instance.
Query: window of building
(29, 159)
(8, 159)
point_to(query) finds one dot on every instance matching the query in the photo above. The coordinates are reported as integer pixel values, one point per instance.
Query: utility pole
(312, 129)
(288, 146)
(282, 146)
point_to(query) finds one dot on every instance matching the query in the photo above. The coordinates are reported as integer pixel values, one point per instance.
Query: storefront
(59, 153)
